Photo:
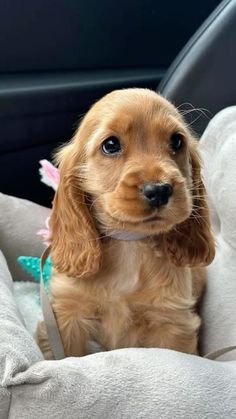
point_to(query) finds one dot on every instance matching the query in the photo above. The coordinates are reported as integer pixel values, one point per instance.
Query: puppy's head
(132, 165)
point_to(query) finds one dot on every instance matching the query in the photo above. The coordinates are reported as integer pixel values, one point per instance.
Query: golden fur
(137, 293)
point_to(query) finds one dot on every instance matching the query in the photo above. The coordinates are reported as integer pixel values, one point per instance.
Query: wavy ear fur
(191, 243)
(74, 238)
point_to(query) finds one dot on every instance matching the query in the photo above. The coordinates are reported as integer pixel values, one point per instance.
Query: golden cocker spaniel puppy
(129, 228)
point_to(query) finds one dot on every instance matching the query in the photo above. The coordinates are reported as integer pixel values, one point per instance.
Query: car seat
(204, 73)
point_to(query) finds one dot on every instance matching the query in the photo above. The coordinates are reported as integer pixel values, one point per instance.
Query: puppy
(130, 229)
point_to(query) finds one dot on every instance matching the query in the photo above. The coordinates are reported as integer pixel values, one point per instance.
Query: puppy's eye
(111, 146)
(176, 142)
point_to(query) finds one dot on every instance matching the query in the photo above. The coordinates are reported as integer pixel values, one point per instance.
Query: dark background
(58, 57)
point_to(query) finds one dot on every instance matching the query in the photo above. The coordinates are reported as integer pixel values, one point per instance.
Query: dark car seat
(204, 73)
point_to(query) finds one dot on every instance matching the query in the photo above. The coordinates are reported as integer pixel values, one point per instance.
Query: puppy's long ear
(191, 243)
(74, 239)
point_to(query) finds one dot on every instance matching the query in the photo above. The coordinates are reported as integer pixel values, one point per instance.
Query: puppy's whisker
(199, 193)
(195, 120)
(196, 206)
(196, 182)
(198, 200)
(94, 202)
(198, 217)
(195, 211)
(197, 190)
(185, 104)
(203, 111)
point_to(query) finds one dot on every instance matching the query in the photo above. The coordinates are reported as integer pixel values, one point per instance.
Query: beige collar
(127, 235)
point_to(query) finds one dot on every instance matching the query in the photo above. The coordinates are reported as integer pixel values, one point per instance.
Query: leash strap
(219, 352)
(53, 333)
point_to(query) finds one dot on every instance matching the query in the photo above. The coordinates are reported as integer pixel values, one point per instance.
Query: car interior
(175, 280)
(59, 58)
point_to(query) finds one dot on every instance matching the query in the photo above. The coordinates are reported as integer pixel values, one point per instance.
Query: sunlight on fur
(133, 170)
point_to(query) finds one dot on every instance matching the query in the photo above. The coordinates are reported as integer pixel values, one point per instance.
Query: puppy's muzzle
(156, 194)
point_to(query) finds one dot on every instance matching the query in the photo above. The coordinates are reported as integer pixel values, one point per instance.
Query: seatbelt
(52, 329)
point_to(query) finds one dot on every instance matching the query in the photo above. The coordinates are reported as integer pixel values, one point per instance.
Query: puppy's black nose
(157, 194)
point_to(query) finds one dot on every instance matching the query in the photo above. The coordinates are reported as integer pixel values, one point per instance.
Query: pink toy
(50, 176)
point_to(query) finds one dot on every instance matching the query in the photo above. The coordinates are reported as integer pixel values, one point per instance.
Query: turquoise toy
(31, 265)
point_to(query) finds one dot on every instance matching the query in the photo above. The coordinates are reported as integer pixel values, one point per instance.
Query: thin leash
(219, 352)
(53, 333)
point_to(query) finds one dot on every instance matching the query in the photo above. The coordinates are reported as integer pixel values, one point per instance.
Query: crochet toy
(31, 265)
(50, 176)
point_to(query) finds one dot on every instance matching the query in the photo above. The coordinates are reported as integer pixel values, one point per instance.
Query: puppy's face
(136, 167)
(132, 165)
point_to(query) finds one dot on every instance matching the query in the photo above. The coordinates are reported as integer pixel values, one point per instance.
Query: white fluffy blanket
(218, 149)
